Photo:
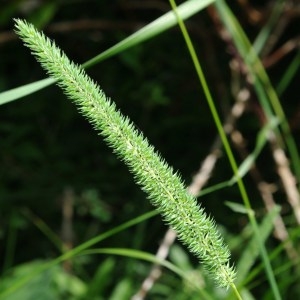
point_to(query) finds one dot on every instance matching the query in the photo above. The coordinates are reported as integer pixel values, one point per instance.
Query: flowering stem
(164, 187)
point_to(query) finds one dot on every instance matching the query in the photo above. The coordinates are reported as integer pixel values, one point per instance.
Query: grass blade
(156, 27)
(24, 90)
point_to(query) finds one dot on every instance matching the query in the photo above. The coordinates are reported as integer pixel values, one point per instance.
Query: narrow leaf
(156, 27)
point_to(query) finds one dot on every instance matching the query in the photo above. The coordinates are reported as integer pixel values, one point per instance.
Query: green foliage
(54, 283)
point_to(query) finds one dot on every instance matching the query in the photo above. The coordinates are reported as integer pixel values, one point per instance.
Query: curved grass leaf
(156, 27)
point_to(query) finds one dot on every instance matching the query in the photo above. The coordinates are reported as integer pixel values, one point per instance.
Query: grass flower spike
(164, 188)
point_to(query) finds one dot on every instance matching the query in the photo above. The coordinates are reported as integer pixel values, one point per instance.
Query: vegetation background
(61, 185)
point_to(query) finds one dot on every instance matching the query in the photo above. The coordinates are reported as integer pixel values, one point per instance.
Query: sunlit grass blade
(24, 90)
(158, 26)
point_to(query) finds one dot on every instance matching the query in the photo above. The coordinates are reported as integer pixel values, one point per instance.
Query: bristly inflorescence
(163, 186)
